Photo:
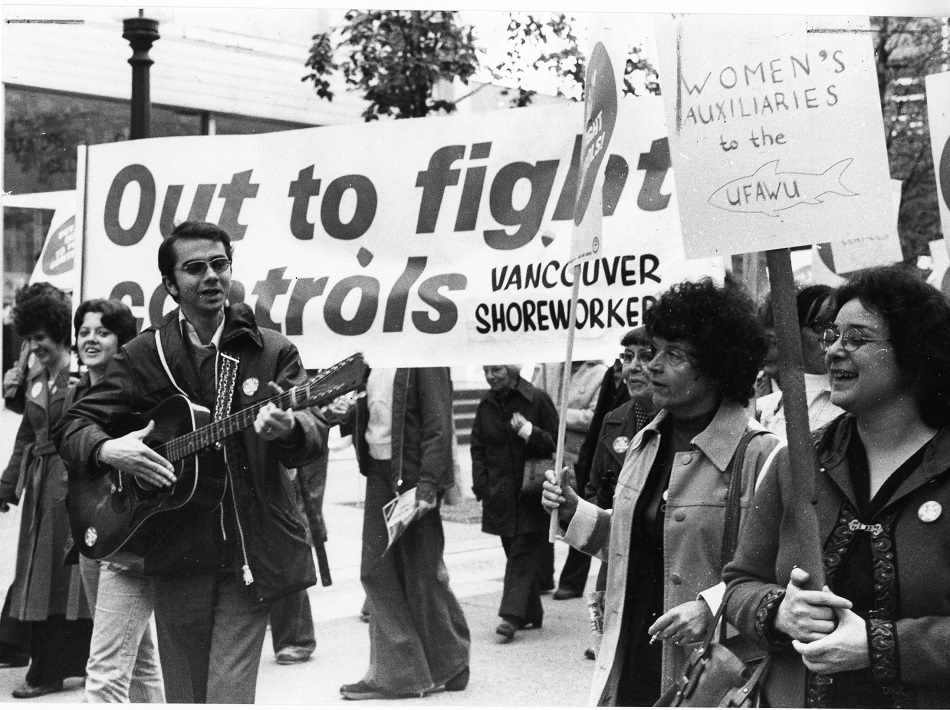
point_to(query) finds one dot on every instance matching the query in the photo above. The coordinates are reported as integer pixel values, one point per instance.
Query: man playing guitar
(217, 569)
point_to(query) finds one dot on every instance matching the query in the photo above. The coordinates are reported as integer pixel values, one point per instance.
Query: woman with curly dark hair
(663, 535)
(872, 535)
(45, 592)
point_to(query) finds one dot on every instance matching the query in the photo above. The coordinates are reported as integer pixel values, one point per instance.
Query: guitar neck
(339, 379)
(203, 437)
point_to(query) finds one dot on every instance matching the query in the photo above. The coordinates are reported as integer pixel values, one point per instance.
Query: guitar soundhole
(148, 490)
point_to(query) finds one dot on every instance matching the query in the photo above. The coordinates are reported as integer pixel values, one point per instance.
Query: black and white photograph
(488, 356)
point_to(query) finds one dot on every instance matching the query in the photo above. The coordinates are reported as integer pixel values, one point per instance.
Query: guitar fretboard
(307, 394)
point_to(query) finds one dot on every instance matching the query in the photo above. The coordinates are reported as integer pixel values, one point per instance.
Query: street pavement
(540, 668)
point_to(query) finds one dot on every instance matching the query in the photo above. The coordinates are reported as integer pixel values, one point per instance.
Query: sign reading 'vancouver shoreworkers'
(434, 241)
(775, 131)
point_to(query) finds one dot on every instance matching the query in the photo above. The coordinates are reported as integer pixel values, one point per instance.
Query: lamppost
(141, 32)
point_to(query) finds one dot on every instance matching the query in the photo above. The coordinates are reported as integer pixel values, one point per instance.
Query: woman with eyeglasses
(618, 429)
(663, 535)
(812, 302)
(849, 583)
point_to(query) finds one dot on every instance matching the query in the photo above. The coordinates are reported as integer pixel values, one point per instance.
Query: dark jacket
(616, 435)
(909, 640)
(421, 430)
(612, 395)
(258, 525)
(498, 457)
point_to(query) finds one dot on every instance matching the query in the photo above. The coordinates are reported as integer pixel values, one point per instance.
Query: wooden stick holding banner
(801, 453)
(600, 117)
(563, 395)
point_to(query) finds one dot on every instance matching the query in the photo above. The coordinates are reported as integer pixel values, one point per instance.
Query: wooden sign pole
(801, 451)
(562, 403)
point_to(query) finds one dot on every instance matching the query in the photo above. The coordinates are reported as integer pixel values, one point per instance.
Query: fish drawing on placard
(768, 191)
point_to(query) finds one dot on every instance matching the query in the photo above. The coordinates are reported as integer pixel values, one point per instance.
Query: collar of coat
(719, 440)
(521, 387)
(833, 441)
(239, 323)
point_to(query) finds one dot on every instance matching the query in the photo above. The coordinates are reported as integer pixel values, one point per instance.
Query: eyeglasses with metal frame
(851, 339)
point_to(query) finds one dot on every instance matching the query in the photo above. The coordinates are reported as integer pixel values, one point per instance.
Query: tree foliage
(394, 59)
(547, 46)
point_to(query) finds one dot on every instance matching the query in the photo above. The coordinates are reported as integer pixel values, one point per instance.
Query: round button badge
(930, 511)
(621, 444)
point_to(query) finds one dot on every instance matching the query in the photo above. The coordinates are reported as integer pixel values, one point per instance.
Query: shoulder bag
(728, 672)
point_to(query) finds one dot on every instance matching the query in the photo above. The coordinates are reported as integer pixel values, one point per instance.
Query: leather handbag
(533, 479)
(731, 672)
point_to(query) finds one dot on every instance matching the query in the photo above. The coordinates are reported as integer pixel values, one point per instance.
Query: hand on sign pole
(557, 499)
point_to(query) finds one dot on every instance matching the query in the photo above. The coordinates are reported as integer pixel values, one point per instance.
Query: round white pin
(930, 511)
(250, 386)
(621, 444)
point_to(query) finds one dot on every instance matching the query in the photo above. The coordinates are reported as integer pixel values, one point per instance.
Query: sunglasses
(219, 265)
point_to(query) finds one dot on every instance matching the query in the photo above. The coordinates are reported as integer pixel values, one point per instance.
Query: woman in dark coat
(45, 591)
(513, 422)
(847, 578)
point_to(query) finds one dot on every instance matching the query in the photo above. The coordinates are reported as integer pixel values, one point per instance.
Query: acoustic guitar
(114, 511)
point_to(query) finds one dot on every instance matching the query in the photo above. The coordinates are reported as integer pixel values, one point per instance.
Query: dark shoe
(293, 654)
(506, 632)
(366, 691)
(25, 690)
(590, 654)
(458, 682)
(564, 593)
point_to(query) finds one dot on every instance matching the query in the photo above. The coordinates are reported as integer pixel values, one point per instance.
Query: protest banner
(779, 119)
(56, 261)
(842, 258)
(938, 115)
(434, 241)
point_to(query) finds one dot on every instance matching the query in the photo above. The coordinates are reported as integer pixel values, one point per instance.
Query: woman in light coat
(663, 536)
(45, 592)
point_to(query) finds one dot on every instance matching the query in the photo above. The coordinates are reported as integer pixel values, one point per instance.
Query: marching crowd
(828, 586)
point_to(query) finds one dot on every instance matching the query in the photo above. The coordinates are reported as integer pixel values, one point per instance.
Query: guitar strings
(209, 434)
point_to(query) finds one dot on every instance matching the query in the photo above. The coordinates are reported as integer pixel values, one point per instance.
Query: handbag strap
(730, 530)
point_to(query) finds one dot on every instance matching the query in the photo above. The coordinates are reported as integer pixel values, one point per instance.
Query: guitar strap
(224, 387)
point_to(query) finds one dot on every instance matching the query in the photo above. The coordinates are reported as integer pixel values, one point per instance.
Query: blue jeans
(123, 660)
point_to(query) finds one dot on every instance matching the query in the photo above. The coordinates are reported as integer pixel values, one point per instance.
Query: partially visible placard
(862, 252)
(938, 113)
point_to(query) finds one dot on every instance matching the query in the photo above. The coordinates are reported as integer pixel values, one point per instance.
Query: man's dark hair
(918, 318)
(114, 315)
(189, 230)
(721, 324)
(48, 313)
